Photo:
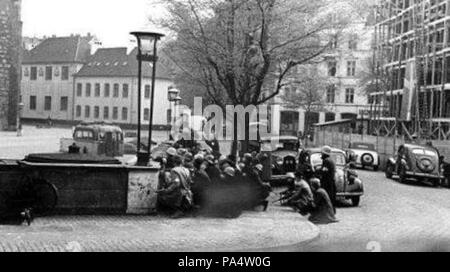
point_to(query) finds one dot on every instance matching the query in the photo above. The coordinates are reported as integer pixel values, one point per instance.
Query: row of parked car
(412, 162)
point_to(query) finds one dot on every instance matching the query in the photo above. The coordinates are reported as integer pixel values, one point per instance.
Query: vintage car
(364, 155)
(348, 185)
(415, 162)
(100, 139)
(283, 152)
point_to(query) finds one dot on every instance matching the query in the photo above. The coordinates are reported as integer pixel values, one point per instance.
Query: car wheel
(367, 160)
(389, 171)
(355, 201)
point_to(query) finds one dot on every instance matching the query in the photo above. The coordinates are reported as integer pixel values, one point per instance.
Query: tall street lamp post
(147, 52)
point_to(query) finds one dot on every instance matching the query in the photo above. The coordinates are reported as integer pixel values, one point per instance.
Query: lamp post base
(143, 159)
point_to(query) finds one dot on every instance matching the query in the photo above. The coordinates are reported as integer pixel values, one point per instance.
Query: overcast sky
(110, 20)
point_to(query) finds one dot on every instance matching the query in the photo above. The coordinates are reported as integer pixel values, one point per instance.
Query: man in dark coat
(211, 169)
(322, 211)
(201, 181)
(260, 190)
(214, 144)
(328, 172)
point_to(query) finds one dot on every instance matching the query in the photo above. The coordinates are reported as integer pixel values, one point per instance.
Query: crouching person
(322, 211)
(176, 196)
(302, 199)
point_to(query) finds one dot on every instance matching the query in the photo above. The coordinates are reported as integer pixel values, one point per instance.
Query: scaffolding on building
(412, 51)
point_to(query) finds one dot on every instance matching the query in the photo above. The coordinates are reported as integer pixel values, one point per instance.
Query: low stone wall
(93, 189)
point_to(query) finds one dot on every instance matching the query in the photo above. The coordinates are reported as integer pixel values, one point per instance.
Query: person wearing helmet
(322, 210)
(176, 196)
(302, 199)
(328, 173)
(170, 153)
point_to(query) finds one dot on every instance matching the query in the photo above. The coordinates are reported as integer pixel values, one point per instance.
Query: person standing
(328, 172)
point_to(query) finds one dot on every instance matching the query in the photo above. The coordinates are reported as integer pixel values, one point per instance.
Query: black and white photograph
(224, 126)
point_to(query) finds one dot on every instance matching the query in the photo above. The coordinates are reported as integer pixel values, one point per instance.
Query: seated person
(176, 195)
(322, 211)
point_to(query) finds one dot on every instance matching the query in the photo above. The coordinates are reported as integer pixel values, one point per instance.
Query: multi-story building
(106, 89)
(412, 50)
(48, 76)
(340, 67)
(10, 44)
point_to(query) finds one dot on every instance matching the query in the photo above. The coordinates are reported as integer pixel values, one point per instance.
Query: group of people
(308, 194)
(209, 184)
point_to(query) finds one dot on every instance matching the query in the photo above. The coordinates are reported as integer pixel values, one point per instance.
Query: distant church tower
(10, 62)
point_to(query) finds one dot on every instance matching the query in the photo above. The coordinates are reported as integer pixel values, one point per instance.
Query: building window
(33, 73)
(32, 102)
(124, 114)
(78, 111)
(349, 95)
(97, 89)
(106, 113)
(125, 91)
(147, 91)
(331, 94)
(115, 113)
(96, 112)
(64, 103)
(351, 68)
(88, 89)
(116, 90)
(147, 114)
(26, 72)
(48, 103)
(48, 73)
(332, 68)
(87, 112)
(65, 73)
(107, 89)
(79, 89)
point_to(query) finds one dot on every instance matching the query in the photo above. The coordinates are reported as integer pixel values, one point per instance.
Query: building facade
(10, 61)
(106, 89)
(48, 76)
(344, 97)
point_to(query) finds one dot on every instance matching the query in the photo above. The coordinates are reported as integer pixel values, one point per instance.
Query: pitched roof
(60, 50)
(115, 62)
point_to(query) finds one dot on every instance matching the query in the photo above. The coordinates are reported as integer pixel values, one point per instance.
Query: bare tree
(374, 78)
(307, 91)
(240, 52)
